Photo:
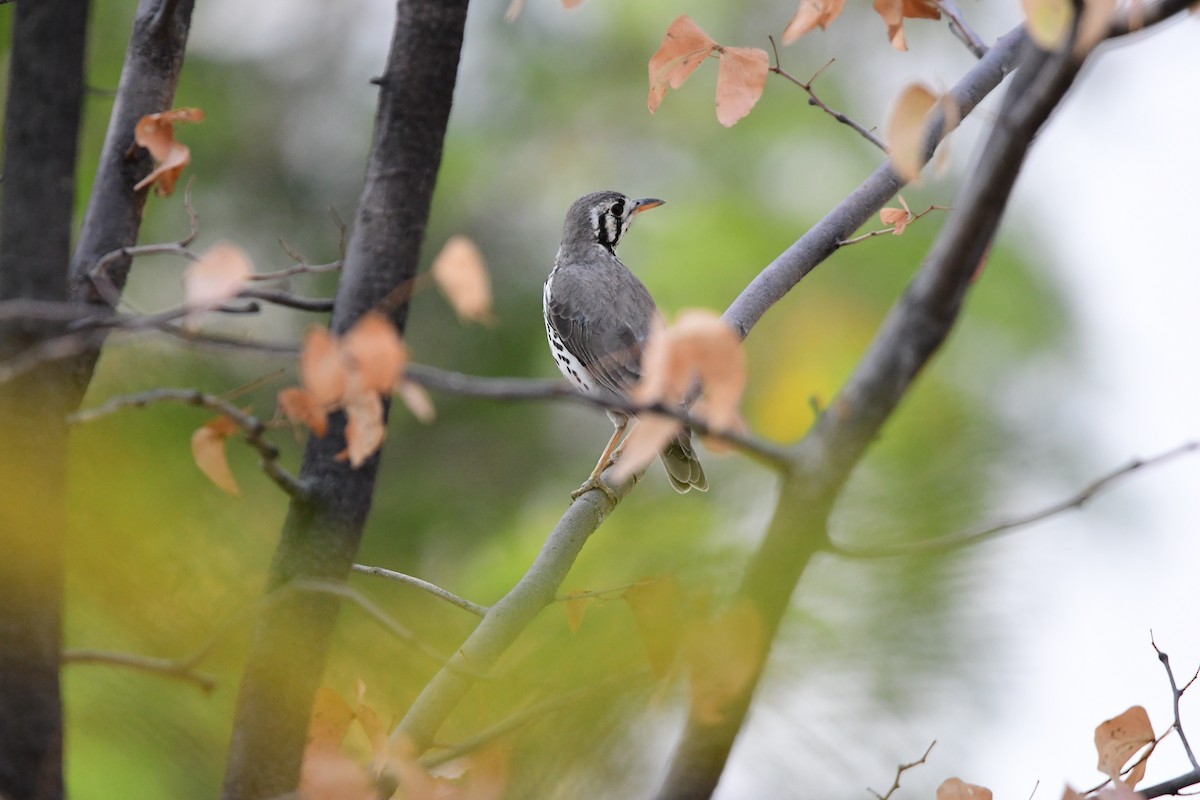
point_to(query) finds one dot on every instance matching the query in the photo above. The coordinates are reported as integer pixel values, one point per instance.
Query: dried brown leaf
(460, 272)
(1119, 738)
(365, 429)
(651, 433)
(219, 275)
(741, 79)
(724, 654)
(208, 451)
(156, 133)
(330, 720)
(897, 218)
(375, 350)
(321, 369)
(906, 130)
(302, 406)
(334, 776)
(811, 14)
(894, 12)
(958, 789)
(417, 401)
(657, 606)
(705, 347)
(683, 49)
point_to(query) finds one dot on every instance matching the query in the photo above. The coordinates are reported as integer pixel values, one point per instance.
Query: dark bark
(149, 77)
(321, 535)
(912, 333)
(45, 97)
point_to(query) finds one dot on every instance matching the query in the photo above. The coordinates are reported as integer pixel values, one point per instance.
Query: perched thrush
(598, 316)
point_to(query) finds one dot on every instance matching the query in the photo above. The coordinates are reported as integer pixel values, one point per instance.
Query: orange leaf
(893, 13)
(811, 14)
(724, 654)
(699, 346)
(906, 130)
(321, 368)
(1119, 738)
(1048, 22)
(208, 451)
(898, 218)
(334, 776)
(713, 352)
(300, 405)
(657, 606)
(331, 718)
(487, 775)
(682, 50)
(741, 79)
(365, 430)
(651, 433)
(375, 349)
(156, 133)
(577, 606)
(958, 789)
(417, 401)
(219, 275)
(461, 274)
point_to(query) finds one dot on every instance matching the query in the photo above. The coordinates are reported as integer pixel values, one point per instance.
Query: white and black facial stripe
(611, 219)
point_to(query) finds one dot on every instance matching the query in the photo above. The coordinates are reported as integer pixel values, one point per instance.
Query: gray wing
(608, 335)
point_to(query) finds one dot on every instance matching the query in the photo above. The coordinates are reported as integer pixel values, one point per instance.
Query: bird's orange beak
(645, 204)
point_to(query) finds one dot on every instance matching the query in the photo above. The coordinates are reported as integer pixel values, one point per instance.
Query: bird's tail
(683, 468)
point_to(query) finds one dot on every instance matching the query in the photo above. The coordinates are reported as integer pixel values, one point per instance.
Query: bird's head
(603, 217)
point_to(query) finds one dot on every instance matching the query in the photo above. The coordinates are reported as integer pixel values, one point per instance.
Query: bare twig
(974, 536)
(253, 429)
(287, 299)
(900, 770)
(1176, 694)
(534, 389)
(911, 219)
(425, 586)
(814, 100)
(960, 28)
(182, 669)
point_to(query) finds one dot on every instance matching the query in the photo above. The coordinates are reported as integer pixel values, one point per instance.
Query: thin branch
(815, 246)
(425, 586)
(289, 300)
(253, 429)
(1176, 694)
(766, 453)
(882, 231)
(1173, 786)
(974, 536)
(814, 100)
(960, 28)
(900, 770)
(182, 669)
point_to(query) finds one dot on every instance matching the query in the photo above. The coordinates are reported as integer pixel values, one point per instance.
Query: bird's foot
(594, 482)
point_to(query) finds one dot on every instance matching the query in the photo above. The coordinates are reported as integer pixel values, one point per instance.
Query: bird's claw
(595, 483)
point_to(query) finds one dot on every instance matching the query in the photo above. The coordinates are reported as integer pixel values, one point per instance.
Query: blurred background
(1075, 354)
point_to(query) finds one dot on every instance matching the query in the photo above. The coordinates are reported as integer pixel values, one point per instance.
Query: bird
(598, 318)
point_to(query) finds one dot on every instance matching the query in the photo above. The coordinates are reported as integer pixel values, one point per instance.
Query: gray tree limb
(149, 76)
(506, 619)
(321, 535)
(37, 197)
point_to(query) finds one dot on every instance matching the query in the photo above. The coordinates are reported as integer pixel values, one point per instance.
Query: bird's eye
(617, 208)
